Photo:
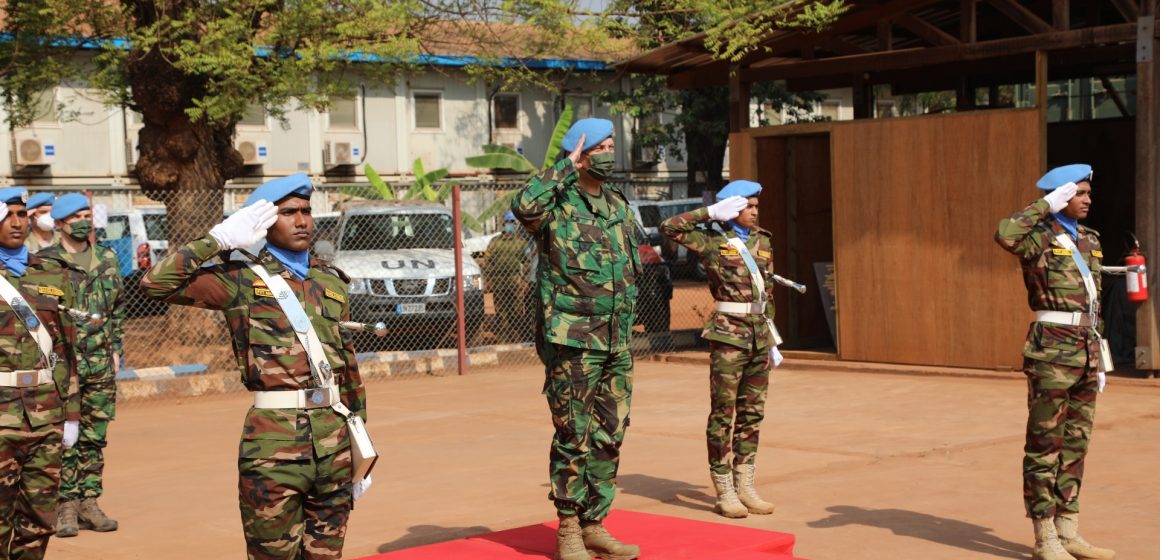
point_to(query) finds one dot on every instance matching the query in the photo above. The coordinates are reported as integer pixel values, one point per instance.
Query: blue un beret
(14, 195)
(509, 216)
(40, 199)
(283, 187)
(1061, 176)
(742, 188)
(69, 204)
(594, 131)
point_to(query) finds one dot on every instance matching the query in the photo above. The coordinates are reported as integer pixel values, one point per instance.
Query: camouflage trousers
(1061, 403)
(84, 464)
(29, 478)
(589, 393)
(295, 510)
(738, 385)
(512, 313)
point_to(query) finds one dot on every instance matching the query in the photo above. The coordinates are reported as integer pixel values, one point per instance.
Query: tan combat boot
(601, 544)
(743, 476)
(569, 543)
(92, 517)
(1047, 545)
(1067, 525)
(66, 519)
(727, 502)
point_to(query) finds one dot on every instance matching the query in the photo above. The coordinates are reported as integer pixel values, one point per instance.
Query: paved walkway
(861, 465)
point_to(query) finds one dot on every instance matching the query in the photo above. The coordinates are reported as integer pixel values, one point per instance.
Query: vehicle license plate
(408, 308)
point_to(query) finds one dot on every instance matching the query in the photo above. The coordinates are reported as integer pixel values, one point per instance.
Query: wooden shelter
(906, 208)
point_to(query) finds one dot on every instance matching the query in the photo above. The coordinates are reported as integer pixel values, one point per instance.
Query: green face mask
(600, 165)
(80, 229)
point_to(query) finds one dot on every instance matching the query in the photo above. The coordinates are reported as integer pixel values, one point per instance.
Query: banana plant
(495, 156)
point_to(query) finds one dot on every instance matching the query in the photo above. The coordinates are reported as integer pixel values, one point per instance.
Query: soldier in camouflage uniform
(96, 281)
(41, 232)
(37, 396)
(1062, 356)
(587, 298)
(505, 273)
(294, 460)
(740, 334)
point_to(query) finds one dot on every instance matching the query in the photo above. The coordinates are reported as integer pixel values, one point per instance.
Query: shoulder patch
(335, 295)
(1060, 251)
(337, 272)
(1097, 253)
(50, 291)
(259, 283)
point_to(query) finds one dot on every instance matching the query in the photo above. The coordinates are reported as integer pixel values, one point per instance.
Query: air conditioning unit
(644, 156)
(344, 151)
(254, 147)
(36, 146)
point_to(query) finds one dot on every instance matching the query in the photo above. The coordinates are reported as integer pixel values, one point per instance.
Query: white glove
(728, 209)
(3, 211)
(361, 487)
(775, 356)
(1058, 198)
(72, 431)
(1101, 380)
(246, 226)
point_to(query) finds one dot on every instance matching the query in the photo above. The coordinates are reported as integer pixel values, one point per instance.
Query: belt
(744, 308)
(25, 377)
(1069, 318)
(319, 397)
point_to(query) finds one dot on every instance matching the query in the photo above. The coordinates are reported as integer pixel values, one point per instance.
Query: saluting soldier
(294, 459)
(742, 339)
(41, 232)
(39, 396)
(1063, 358)
(96, 280)
(587, 294)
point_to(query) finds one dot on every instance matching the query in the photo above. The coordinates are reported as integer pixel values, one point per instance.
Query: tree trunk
(182, 163)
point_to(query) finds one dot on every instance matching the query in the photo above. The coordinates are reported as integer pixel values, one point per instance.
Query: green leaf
(501, 161)
(558, 133)
(434, 176)
(382, 188)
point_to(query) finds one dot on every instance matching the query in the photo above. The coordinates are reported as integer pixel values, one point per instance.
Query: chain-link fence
(400, 256)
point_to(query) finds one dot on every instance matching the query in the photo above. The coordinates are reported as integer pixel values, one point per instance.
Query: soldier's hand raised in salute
(728, 209)
(1059, 198)
(246, 226)
(579, 149)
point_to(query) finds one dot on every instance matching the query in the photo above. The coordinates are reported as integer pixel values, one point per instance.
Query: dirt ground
(868, 466)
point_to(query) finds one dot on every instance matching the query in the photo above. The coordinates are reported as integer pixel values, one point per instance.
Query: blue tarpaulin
(124, 249)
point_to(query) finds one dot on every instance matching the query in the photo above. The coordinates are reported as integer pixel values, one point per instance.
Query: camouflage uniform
(739, 344)
(31, 418)
(34, 243)
(98, 290)
(587, 299)
(505, 274)
(294, 465)
(1060, 361)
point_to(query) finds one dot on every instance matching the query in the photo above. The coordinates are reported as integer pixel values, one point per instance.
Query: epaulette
(335, 271)
(1090, 231)
(616, 189)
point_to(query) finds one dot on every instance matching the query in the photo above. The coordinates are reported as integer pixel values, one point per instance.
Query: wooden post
(1147, 222)
(967, 26)
(738, 100)
(1041, 105)
(1061, 14)
(863, 97)
(965, 95)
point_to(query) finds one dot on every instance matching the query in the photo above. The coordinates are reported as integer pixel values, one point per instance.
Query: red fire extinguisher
(1136, 275)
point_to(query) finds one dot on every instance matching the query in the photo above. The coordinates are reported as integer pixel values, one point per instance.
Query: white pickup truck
(400, 256)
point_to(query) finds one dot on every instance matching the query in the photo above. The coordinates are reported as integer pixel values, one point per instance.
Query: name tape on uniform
(51, 291)
(335, 296)
(264, 292)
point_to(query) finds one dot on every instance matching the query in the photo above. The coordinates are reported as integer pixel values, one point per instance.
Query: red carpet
(660, 537)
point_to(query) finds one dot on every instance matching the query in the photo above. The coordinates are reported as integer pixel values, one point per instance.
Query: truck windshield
(389, 232)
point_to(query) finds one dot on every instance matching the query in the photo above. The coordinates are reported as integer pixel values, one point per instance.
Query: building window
(428, 110)
(830, 109)
(46, 108)
(885, 109)
(255, 117)
(343, 113)
(505, 108)
(581, 106)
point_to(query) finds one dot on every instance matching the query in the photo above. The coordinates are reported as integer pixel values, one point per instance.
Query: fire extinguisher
(1136, 274)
